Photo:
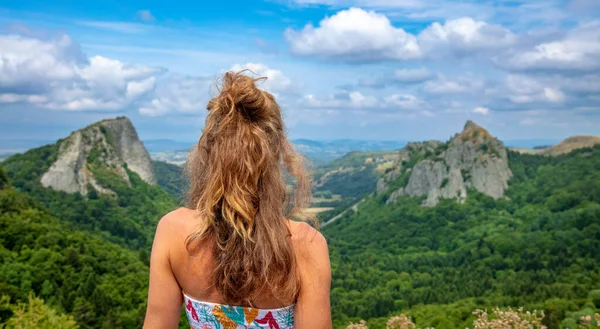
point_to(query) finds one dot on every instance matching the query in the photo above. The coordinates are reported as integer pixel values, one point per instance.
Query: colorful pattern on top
(203, 315)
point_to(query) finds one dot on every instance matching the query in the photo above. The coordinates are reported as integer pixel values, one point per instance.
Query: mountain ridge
(565, 146)
(107, 193)
(570, 144)
(473, 158)
(110, 144)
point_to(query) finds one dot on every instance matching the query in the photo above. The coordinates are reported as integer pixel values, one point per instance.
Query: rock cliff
(472, 159)
(109, 145)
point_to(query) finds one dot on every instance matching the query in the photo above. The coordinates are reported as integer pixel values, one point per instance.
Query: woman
(234, 258)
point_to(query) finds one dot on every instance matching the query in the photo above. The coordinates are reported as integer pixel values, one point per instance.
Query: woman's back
(193, 270)
(206, 309)
(234, 257)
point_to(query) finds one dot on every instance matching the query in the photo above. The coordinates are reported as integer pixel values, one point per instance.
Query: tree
(83, 312)
(3, 179)
(36, 314)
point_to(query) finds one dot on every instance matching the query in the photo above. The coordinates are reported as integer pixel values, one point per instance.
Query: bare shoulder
(307, 241)
(177, 221)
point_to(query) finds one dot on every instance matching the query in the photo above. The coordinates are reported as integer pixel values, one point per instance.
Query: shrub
(36, 314)
(445, 182)
(499, 319)
(588, 322)
(508, 319)
(400, 322)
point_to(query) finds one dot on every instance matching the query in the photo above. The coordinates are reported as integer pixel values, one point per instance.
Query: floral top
(204, 315)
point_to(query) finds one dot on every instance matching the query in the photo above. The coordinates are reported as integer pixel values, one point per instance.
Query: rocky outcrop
(111, 145)
(412, 150)
(472, 159)
(130, 149)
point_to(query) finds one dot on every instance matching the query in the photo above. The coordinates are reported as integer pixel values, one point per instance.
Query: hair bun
(238, 92)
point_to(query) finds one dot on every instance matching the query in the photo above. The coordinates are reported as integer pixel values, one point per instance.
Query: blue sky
(379, 69)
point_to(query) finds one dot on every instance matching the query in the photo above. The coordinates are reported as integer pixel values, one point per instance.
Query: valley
(432, 229)
(451, 227)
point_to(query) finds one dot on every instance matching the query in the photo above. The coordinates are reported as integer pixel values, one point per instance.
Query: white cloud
(354, 100)
(464, 35)
(554, 95)
(178, 94)
(276, 80)
(523, 89)
(17, 98)
(105, 71)
(579, 50)
(27, 62)
(121, 27)
(481, 110)
(138, 88)
(461, 85)
(401, 76)
(404, 102)
(349, 100)
(355, 35)
(522, 84)
(412, 75)
(55, 74)
(527, 11)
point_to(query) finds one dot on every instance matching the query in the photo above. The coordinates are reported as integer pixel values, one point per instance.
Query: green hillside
(102, 284)
(86, 255)
(344, 181)
(127, 218)
(538, 248)
(171, 178)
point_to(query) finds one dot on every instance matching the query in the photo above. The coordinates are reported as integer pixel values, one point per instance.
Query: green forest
(539, 248)
(84, 259)
(129, 218)
(84, 256)
(100, 283)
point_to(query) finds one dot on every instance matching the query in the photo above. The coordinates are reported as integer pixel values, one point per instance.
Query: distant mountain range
(318, 152)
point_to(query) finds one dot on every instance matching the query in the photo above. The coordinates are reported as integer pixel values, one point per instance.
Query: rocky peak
(474, 133)
(410, 151)
(470, 125)
(109, 146)
(471, 159)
